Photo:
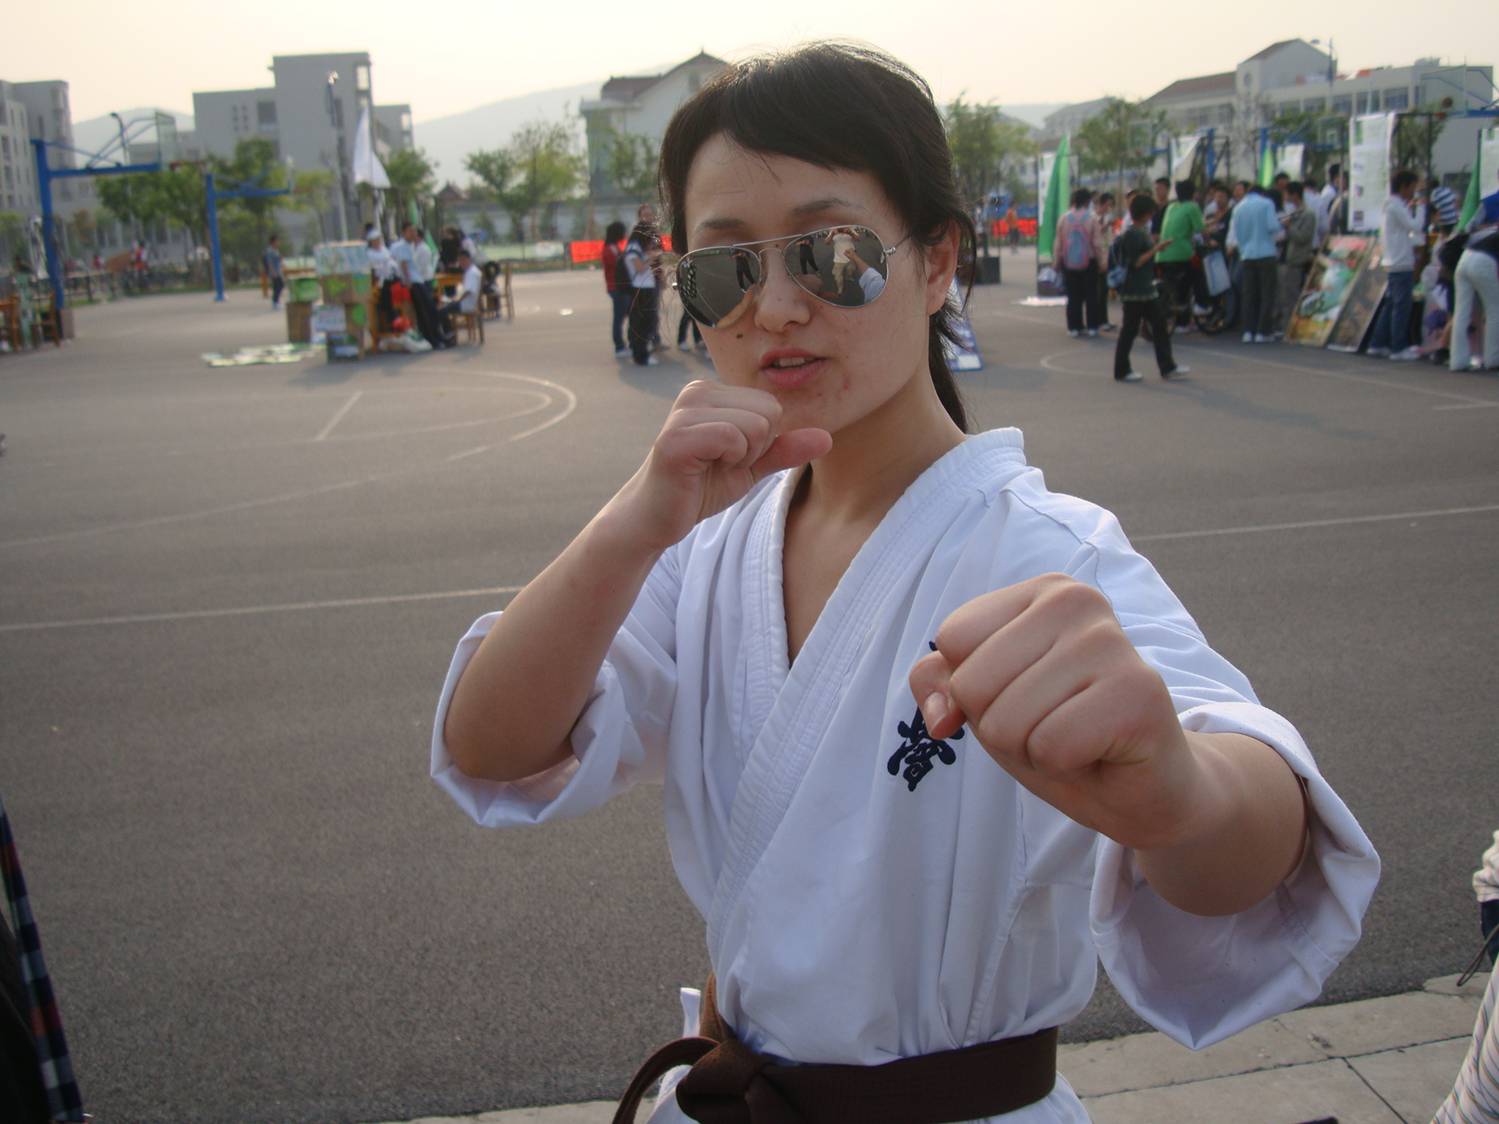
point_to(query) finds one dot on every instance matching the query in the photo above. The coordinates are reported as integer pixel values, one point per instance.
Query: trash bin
(988, 270)
(299, 321)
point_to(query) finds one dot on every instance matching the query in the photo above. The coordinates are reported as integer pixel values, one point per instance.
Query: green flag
(1475, 192)
(1267, 166)
(1054, 201)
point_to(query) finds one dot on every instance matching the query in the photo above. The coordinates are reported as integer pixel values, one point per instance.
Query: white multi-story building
(640, 106)
(17, 164)
(310, 116)
(1294, 76)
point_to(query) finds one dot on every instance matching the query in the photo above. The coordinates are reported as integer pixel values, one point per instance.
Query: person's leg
(620, 299)
(1091, 294)
(1401, 282)
(1462, 313)
(1160, 332)
(1267, 297)
(682, 328)
(1486, 288)
(1072, 282)
(1128, 330)
(1251, 302)
(1103, 299)
(640, 327)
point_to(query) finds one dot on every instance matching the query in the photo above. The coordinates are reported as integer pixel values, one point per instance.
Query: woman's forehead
(732, 190)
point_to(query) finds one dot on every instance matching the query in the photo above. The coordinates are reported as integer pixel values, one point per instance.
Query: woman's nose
(781, 300)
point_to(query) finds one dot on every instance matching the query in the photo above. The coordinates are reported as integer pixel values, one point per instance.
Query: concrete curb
(1382, 1061)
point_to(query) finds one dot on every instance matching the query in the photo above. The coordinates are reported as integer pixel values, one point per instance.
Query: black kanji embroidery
(918, 749)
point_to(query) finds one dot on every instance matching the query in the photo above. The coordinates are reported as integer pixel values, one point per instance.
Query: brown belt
(730, 1084)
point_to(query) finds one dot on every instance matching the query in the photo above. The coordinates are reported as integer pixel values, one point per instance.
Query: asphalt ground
(231, 595)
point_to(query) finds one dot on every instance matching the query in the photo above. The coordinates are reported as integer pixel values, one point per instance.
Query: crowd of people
(1161, 253)
(405, 274)
(635, 265)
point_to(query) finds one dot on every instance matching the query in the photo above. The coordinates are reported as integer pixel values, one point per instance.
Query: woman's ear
(941, 266)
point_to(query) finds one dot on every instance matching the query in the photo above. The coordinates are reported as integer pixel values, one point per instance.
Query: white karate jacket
(870, 895)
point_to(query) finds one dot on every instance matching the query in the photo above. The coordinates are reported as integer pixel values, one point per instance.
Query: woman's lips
(789, 378)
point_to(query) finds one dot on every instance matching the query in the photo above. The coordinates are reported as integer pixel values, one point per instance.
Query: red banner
(580, 253)
(1001, 228)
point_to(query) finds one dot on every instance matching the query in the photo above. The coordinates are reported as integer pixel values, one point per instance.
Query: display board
(1328, 285)
(1369, 141)
(1360, 304)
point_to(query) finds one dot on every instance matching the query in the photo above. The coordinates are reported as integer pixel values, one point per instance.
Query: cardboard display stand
(1329, 285)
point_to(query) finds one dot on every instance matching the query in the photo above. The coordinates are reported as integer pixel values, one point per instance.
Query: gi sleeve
(619, 739)
(1201, 979)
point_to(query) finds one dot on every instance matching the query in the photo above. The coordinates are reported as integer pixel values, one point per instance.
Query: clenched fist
(1045, 679)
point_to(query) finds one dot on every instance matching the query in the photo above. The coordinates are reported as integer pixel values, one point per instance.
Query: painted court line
(1256, 360)
(338, 417)
(1344, 521)
(258, 610)
(505, 590)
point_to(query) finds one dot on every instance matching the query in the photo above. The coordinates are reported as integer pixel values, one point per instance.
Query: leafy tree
(313, 194)
(1416, 137)
(630, 163)
(12, 234)
(485, 225)
(83, 229)
(1119, 138)
(412, 180)
(983, 143)
(540, 165)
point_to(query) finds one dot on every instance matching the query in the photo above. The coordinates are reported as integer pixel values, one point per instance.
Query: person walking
(1253, 229)
(1476, 278)
(1401, 226)
(273, 269)
(617, 285)
(641, 257)
(1074, 248)
(1135, 252)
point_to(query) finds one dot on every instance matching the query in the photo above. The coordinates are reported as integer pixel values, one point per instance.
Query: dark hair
(1162, 180)
(836, 105)
(1296, 189)
(1141, 206)
(1186, 191)
(1217, 185)
(1403, 179)
(274, 238)
(614, 231)
(1106, 197)
(1283, 176)
(1311, 182)
(1334, 170)
(1082, 197)
(1245, 184)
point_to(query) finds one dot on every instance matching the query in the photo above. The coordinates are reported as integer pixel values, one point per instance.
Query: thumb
(930, 680)
(792, 449)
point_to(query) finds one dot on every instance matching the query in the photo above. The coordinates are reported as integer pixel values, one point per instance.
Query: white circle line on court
(256, 610)
(303, 493)
(505, 590)
(1341, 376)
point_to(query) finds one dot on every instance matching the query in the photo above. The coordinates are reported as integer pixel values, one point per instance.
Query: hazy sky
(444, 57)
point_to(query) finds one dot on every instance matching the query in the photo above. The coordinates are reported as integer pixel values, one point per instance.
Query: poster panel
(1369, 140)
(1488, 162)
(963, 355)
(1359, 305)
(1328, 285)
(1043, 178)
(1290, 160)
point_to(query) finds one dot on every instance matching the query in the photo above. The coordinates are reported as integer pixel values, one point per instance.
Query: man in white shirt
(415, 261)
(466, 300)
(1399, 230)
(1317, 202)
(383, 272)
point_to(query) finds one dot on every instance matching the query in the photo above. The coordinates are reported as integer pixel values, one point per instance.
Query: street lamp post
(1332, 60)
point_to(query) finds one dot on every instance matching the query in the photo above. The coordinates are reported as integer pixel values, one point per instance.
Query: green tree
(540, 165)
(313, 194)
(631, 163)
(1416, 135)
(983, 143)
(1119, 139)
(12, 234)
(412, 180)
(82, 229)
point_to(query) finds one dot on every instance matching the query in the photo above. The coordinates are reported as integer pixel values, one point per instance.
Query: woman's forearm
(518, 699)
(1248, 837)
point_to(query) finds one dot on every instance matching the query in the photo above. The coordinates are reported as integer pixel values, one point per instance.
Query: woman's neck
(876, 459)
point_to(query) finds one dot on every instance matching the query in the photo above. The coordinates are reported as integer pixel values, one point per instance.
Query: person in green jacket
(1136, 250)
(1182, 228)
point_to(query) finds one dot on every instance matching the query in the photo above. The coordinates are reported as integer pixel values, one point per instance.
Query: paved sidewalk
(1375, 1061)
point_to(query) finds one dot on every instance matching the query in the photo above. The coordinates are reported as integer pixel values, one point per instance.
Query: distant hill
(1034, 113)
(448, 140)
(96, 132)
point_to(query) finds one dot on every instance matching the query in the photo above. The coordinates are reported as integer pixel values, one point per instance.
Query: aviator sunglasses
(844, 266)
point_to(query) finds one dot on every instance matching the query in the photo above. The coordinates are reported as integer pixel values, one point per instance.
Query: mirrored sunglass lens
(715, 284)
(824, 263)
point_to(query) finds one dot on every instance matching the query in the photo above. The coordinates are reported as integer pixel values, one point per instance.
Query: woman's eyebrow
(800, 211)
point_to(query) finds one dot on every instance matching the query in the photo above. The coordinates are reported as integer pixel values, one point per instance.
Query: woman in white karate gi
(934, 739)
